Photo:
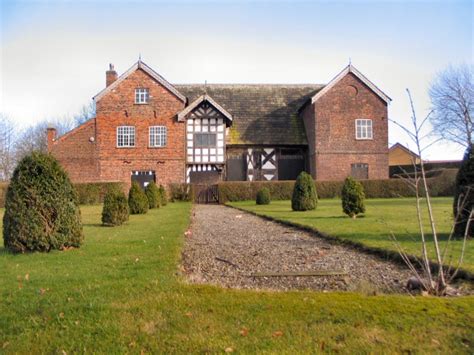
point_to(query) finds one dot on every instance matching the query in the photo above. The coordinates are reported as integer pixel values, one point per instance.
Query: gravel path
(226, 247)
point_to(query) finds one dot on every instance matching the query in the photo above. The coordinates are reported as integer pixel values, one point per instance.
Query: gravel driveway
(228, 247)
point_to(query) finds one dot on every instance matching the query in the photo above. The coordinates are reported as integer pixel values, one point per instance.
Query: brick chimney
(110, 75)
(51, 137)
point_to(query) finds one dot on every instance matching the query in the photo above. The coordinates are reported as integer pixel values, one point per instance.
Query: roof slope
(262, 113)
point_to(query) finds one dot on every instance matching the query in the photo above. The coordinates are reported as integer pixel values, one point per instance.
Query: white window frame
(157, 136)
(364, 129)
(142, 96)
(125, 137)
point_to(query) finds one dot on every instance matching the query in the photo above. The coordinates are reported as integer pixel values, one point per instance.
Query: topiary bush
(137, 200)
(263, 196)
(41, 209)
(353, 196)
(153, 195)
(464, 192)
(115, 211)
(163, 196)
(304, 196)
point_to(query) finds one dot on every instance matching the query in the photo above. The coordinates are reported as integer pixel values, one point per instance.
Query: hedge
(441, 185)
(3, 193)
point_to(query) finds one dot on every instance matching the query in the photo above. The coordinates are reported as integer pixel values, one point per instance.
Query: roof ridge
(248, 84)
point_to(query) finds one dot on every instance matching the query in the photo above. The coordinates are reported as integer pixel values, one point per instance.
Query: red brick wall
(103, 160)
(336, 146)
(118, 108)
(310, 124)
(77, 154)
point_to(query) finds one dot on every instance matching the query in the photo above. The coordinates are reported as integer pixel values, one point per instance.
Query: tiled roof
(262, 114)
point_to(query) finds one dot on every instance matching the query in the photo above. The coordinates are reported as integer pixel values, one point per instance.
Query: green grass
(121, 292)
(382, 217)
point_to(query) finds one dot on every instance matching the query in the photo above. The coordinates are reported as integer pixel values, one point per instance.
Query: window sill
(130, 147)
(141, 103)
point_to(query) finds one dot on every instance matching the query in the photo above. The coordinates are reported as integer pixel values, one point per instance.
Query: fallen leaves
(187, 233)
(188, 314)
(229, 350)
(27, 277)
(277, 334)
(244, 332)
(149, 328)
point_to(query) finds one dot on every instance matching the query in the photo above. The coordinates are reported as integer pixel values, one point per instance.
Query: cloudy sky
(54, 53)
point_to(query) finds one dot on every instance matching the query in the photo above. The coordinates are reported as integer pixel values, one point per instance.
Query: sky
(54, 54)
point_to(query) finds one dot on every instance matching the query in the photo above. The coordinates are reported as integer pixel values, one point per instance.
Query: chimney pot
(110, 75)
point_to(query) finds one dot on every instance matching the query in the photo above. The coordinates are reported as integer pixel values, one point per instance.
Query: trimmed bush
(163, 196)
(153, 195)
(304, 193)
(115, 211)
(41, 209)
(137, 200)
(464, 193)
(352, 196)
(93, 193)
(263, 196)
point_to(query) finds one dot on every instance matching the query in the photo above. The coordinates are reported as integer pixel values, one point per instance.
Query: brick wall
(336, 146)
(118, 108)
(77, 152)
(102, 160)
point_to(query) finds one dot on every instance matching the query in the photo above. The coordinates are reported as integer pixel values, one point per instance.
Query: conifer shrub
(137, 200)
(304, 196)
(464, 192)
(115, 211)
(41, 208)
(352, 196)
(153, 195)
(163, 196)
(263, 196)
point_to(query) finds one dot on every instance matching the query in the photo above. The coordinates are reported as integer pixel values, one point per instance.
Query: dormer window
(142, 96)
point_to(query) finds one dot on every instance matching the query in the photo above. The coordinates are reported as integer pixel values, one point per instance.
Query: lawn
(121, 292)
(382, 217)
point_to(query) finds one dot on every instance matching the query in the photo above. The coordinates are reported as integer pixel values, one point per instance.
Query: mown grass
(382, 217)
(121, 292)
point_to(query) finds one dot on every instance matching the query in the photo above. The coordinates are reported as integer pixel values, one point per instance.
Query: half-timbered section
(267, 140)
(206, 127)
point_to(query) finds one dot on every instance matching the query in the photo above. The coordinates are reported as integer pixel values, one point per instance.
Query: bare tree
(85, 113)
(7, 153)
(452, 98)
(435, 283)
(32, 139)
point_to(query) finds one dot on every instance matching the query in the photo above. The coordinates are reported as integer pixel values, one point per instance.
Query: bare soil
(227, 247)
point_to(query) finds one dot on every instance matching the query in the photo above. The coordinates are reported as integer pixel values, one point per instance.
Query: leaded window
(363, 129)
(157, 136)
(125, 136)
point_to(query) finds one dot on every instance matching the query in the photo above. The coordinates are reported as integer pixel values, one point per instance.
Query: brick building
(148, 129)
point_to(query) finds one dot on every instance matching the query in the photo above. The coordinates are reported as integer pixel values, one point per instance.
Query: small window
(142, 96)
(205, 140)
(360, 171)
(363, 129)
(126, 136)
(157, 136)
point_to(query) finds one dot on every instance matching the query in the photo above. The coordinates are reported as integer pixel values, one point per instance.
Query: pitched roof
(262, 113)
(196, 103)
(141, 65)
(402, 147)
(351, 69)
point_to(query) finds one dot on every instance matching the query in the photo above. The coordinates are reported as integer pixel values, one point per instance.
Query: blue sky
(54, 53)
